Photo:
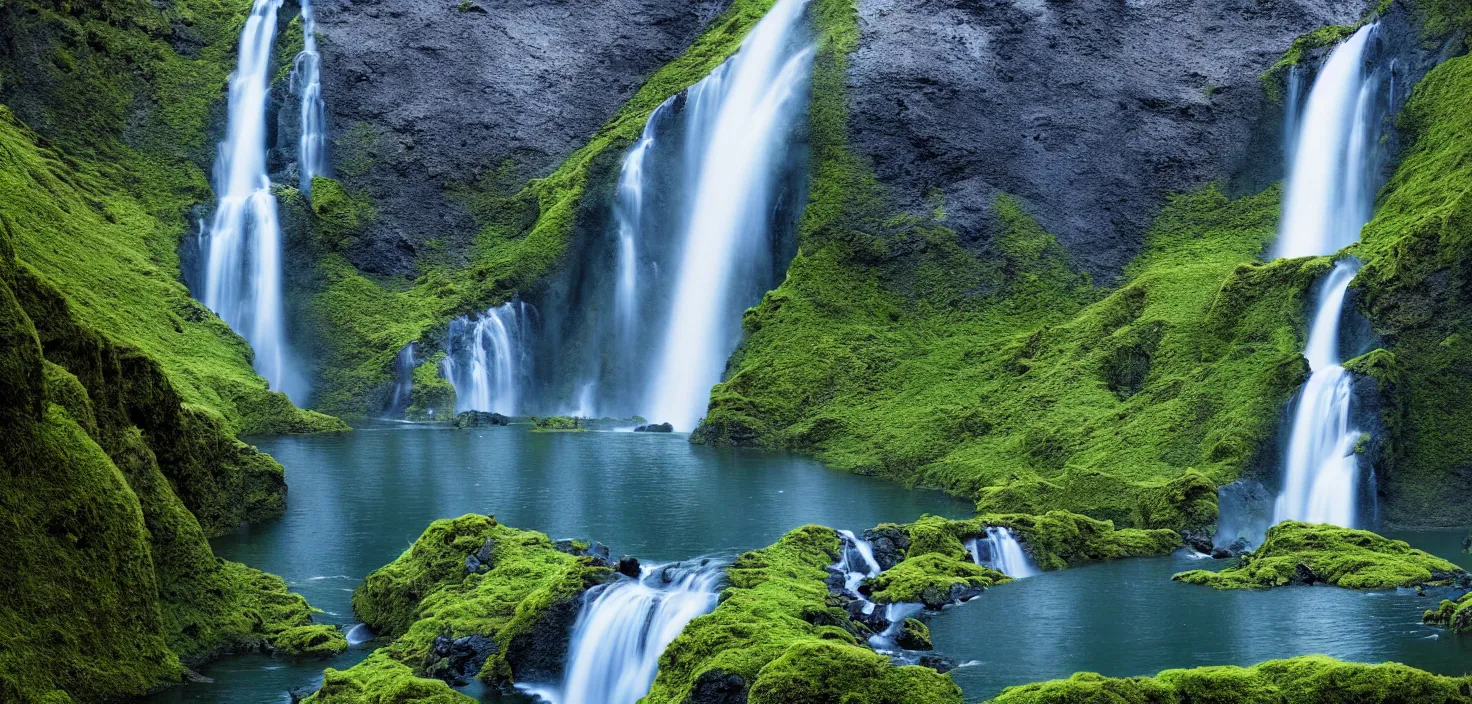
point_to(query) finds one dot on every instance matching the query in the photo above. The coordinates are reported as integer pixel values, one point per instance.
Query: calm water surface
(358, 500)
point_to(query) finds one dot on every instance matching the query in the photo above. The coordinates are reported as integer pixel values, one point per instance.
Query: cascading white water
(620, 634)
(242, 278)
(404, 364)
(858, 564)
(1000, 551)
(486, 360)
(1328, 199)
(1321, 474)
(750, 107)
(306, 83)
(629, 213)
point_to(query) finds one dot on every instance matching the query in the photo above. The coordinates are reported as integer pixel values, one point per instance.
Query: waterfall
(242, 279)
(1329, 197)
(1000, 551)
(306, 83)
(404, 364)
(1321, 474)
(739, 120)
(620, 634)
(486, 359)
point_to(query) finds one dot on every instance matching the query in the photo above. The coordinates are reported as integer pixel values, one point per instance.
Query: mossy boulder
(1312, 678)
(1451, 615)
(318, 640)
(1304, 553)
(380, 678)
(932, 579)
(557, 424)
(472, 598)
(778, 635)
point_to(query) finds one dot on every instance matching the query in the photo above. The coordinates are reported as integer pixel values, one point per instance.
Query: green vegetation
(1053, 540)
(111, 484)
(1273, 79)
(470, 576)
(1414, 285)
(1303, 553)
(525, 233)
(931, 579)
(1452, 615)
(1312, 678)
(553, 424)
(380, 679)
(432, 395)
(777, 635)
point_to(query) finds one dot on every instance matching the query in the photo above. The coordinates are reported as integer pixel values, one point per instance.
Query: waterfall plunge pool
(358, 500)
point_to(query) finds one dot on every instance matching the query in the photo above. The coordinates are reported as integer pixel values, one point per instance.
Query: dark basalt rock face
(1091, 112)
(655, 428)
(457, 660)
(424, 94)
(717, 687)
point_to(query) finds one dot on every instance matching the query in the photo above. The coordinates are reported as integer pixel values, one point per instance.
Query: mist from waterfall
(306, 84)
(404, 364)
(1332, 177)
(486, 359)
(1001, 552)
(242, 280)
(624, 628)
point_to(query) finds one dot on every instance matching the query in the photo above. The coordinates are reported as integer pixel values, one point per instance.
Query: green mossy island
(931, 579)
(1303, 553)
(1052, 541)
(1312, 678)
(1451, 615)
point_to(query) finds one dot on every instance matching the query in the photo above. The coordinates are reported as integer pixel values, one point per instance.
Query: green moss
(313, 641)
(1312, 678)
(929, 578)
(1452, 615)
(462, 577)
(433, 396)
(1414, 285)
(381, 679)
(778, 632)
(1053, 540)
(1274, 78)
(552, 424)
(1357, 559)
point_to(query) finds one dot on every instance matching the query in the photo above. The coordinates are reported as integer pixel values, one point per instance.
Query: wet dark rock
(1303, 574)
(596, 550)
(1198, 540)
(937, 663)
(628, 566)
(299, 693)
(889, 545)
(935, 599)
(422, 96)
(1090, 112)
(874, 621)
(540, 653)
(480, 419)
(457, 660)
(483, 560)
(1233, 549)
(655, 428)
(717, 687)
(914, 636)
(837, 581)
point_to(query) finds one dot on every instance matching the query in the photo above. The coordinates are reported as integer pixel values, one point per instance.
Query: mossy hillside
(432, 396)
(928, 579)
(1451, 614)
(1357, 559)
(1311, 678)
(526, 229)
(101, 209)
(1054, 540)
(379, 679)
(777, 631)
(1414, 288)
(432, 590)
(891, 350)
(112, 586)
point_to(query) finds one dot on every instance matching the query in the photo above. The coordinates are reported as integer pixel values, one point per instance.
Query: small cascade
(1001, 552)
(1332, 177)
(1321, 476)
(306, 84)
(486, 358)
(404, 365)
(360, 634)
(242, 280)
(895, 615)
(738, 124)
(857, 564)
(620, 634)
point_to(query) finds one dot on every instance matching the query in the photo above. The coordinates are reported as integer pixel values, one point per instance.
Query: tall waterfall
(487, 358)
(1000, 551)
(1329, 197)
(306, 83)
(739, 120)
(619, 636)
(242, 278)
(404, 364)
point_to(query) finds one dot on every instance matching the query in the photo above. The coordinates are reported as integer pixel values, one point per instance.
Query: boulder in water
(655, 428)
(479, 419)
(889, 544)
(628, 566)
(914, 636)
(938, 663)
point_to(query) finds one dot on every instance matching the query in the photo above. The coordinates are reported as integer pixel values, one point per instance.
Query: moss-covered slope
(1312, 678)
(1452, 615)
(510, 594)
(111, 587)
(1053, 540)
(1304, 553)
(777, 638)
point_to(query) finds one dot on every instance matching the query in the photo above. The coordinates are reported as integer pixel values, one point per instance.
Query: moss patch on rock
(1054, 540)
(778, 637)
(1304, 553)
(932, 579)
(1451, 614)
(1312, 678)
(467, 577)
